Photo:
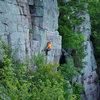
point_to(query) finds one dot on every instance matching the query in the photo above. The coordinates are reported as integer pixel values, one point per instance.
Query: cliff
(45, 16)
(18, 17)
(90, 76)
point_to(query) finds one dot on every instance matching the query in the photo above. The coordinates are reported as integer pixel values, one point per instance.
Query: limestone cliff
(16, 21)
(90, 76)
(14, 25)
(45, 13)
(17, 17)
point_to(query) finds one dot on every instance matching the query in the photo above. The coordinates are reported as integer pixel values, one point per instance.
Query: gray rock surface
(15, 23)
(90, 76)
(66, 0)
(45, 16)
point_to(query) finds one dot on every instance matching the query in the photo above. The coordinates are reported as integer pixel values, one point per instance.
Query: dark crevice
(32, 11)
(26, 48)
(92, 40)
(9, 38)
(64, 55)
(62, 59)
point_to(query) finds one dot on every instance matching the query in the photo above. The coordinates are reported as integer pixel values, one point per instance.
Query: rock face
(45, 16)
(90, 76)
(14, 25)
(16, 21)
(17, 17)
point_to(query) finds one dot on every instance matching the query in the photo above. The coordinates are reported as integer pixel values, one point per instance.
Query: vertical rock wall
(45, 16)
(90, 76)
(14, 25)
(16, 21)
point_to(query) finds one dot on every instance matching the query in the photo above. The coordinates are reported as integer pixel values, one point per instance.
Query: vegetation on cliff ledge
(94, 11)
(71, 39)
(34, 79)
(23, 81)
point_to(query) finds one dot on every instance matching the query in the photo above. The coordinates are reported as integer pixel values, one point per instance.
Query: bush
(19, 82)
(69, 72)
(94, 11)
(72, 40)
(68, 20)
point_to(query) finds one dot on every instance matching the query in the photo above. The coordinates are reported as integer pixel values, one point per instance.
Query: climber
(48, 48)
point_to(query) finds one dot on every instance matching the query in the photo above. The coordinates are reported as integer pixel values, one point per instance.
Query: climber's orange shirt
(49, 46)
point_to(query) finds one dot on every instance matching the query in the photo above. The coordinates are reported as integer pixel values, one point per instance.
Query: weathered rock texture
(90, 76)
(15, 23)
(45, 16)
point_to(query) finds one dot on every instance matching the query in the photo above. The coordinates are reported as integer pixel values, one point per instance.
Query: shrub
(94, 11)
(19, 82)
(71, 39)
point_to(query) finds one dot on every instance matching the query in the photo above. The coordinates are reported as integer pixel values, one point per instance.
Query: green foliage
(74, 40)
(94, 11)
(77, 89)
(74, 97)
(68, 20)
(68, 71)
(97, 81)
(19, 82)
(31, 31)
